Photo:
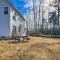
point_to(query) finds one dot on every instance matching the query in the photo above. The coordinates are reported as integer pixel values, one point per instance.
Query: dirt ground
(37, 48)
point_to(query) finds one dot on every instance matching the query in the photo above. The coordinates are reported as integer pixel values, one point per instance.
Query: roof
(14, 8)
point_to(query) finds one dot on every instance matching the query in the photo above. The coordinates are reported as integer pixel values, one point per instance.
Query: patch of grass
(37, 48)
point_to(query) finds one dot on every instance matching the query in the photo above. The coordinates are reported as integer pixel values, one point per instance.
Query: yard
(37, 48)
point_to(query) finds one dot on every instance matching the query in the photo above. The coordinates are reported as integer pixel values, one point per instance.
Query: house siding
(4, 21)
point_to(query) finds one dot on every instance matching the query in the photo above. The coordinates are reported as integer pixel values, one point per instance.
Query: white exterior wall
(16, 23)
(13, 22)
(4, 21)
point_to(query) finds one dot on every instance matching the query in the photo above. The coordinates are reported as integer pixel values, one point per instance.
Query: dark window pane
(20, 28)
(5, 10)
(14, 18)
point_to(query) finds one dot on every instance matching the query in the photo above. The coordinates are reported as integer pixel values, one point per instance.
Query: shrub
(34, 33)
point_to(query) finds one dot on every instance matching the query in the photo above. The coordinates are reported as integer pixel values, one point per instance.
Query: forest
(45, 16)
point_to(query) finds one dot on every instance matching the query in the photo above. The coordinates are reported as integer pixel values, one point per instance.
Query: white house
(10, 20)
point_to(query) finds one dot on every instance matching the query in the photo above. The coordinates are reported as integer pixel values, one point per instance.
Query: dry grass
(37, 48)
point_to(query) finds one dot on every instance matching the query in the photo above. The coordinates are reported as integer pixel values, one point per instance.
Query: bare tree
(33, 1)
(39, 14)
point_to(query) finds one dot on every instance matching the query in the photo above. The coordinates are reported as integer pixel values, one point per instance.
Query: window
(20, 28)
(18, 18)
(14, 31)
(14, 16)
(14, 28)
(5, 10)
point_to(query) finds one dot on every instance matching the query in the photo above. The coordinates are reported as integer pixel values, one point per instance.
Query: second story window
(5, 10)
(14, 16)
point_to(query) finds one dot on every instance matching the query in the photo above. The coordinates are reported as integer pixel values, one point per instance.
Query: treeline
(53, 25)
